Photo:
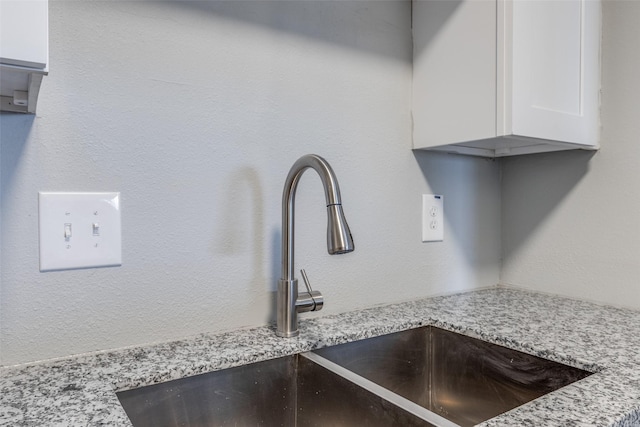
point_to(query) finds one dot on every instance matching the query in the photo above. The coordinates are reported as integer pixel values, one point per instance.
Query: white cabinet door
(24, 52)
(556, 79)
(505, 77)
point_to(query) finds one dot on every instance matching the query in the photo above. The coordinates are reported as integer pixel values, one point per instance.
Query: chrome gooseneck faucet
(339, 241)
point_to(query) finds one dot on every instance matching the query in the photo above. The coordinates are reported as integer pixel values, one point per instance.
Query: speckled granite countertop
(80, 391)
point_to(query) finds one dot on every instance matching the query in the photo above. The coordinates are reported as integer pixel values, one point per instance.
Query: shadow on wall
(437, 18)
(310, 19)
(471, 190)
(15, 129)
(492, 207)
(533, 186)
(240, 232)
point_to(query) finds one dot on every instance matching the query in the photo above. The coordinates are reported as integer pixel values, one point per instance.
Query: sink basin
(289, 391)
(419, 377)
(463, 379)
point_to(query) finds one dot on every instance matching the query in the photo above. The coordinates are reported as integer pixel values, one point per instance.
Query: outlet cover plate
(432, 218)
(79, 230)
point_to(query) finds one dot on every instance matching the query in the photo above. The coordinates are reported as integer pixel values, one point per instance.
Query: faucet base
(290, 302)
(291, 334)
(287, 315)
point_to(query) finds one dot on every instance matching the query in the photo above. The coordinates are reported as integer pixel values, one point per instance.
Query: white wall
(195, 112)
(571, 221)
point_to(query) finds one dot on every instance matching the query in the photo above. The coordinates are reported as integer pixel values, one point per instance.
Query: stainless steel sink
(420, 377)
(463, 379)
(289, 391)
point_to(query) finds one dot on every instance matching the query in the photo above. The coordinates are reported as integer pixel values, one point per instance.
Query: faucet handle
(311, 300)
(306, 280)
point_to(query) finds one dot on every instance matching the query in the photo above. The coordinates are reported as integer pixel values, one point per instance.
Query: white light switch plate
(79, 230)
(432, 218)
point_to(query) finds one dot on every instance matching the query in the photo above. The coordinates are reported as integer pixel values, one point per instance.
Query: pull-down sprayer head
(339, 240)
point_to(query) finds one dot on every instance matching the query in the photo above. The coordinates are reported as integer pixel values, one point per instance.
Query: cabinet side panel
(24, 33)
(555, 70)
(454, 81)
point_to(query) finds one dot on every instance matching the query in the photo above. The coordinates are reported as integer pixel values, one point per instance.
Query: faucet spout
(339, 241)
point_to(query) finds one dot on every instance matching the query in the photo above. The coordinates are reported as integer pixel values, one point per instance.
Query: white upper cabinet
(498, 78)
(24, 53)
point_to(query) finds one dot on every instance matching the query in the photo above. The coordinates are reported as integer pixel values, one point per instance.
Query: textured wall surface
(571, 220)
(195, 111)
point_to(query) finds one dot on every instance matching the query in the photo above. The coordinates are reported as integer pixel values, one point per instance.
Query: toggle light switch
(79, 230)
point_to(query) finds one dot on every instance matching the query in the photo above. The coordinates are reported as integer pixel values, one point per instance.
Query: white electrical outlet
(432, 218)
(79, 230)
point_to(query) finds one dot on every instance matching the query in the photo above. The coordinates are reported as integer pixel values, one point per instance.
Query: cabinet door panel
(555, 70)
